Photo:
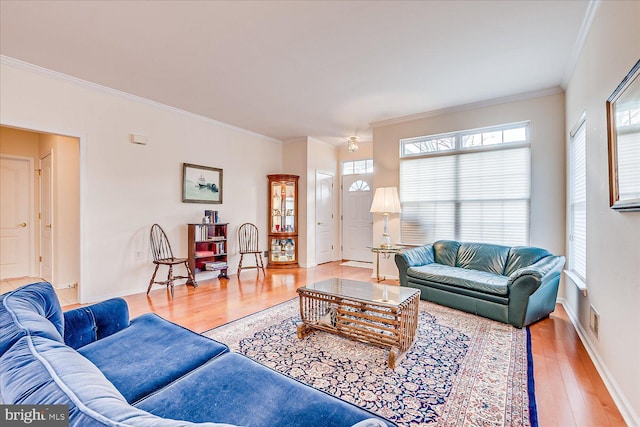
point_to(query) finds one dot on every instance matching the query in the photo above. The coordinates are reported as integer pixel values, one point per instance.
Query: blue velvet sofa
(111, 371)
(516, 285)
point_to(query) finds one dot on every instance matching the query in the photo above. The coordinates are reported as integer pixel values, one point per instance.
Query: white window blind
(472, 193)
(578, 202)
(628, 144)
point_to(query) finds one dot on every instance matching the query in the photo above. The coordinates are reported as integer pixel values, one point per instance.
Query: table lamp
(386, 201)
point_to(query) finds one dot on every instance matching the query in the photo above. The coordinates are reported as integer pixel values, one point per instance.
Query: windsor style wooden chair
(248, 242)
(163, 255)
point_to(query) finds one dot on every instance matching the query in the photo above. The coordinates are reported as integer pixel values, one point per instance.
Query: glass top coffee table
(382, 315)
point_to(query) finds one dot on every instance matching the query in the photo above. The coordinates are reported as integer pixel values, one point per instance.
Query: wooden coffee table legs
(372, 322)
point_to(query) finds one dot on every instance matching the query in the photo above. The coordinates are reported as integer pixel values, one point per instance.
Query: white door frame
(51, 218)
(31, 189)
(82, 141)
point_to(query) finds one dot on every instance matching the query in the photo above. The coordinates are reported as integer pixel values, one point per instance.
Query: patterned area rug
(463, 370)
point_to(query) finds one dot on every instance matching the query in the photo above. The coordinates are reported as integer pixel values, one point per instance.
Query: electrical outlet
(594, 320)
(139, 255)
(266, 253)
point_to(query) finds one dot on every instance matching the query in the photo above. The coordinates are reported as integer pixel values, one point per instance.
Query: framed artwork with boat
(201, 184)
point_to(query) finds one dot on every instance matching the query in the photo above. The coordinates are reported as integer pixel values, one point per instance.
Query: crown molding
(16, 63)
(471, 106)
(589, 16)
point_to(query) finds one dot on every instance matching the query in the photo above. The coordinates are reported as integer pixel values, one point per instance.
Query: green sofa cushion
(461, 277)
(482, 257)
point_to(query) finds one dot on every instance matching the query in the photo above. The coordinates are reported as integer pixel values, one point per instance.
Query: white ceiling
(286, 69)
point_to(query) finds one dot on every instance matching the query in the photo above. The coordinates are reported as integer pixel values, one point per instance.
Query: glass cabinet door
(283, 204)
(283, 250)
(283, 221)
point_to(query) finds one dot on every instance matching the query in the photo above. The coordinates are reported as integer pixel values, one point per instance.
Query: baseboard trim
(623, 404)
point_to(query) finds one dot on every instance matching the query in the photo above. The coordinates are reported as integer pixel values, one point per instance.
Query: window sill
(577, 281)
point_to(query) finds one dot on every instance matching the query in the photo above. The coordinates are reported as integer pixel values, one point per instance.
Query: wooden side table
(386, 253)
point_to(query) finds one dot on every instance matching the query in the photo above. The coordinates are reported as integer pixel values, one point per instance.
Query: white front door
(46, 218)
(324, 217)
(357, 222)
(16, 192)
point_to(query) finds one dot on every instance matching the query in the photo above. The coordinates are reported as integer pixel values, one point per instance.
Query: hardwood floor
(569, 391)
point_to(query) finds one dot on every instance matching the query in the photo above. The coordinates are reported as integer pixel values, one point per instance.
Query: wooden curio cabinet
(283, 221)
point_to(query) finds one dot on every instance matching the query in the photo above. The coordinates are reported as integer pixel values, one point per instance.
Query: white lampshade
(386, 201)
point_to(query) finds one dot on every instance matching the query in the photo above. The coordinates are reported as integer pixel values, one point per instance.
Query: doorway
(53, 212)
(357, 221)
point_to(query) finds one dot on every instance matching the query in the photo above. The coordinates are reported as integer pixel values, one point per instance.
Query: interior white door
(324, 217)
(357, 221)
(15, 219)
(46, 218)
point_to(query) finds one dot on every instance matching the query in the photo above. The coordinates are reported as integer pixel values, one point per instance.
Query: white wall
(613, 238)
(546, 116)
(125, 188)
(304, 156)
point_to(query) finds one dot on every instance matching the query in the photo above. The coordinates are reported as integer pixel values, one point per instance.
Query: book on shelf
(217, 265)
(202, 254)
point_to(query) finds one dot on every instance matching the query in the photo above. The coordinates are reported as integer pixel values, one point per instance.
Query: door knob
(48, 226)
(22, 225)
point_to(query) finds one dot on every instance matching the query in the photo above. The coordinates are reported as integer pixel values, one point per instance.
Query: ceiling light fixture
(353, 144)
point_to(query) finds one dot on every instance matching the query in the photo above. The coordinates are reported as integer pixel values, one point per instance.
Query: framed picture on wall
(623, 128)
(201, 184)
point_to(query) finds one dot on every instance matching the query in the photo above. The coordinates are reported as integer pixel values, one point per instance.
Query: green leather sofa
(516, 285)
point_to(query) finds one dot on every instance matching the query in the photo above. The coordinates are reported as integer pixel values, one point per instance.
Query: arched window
(359, 185)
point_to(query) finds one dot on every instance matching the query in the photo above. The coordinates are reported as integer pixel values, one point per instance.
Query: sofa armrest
(85, 325)
(422, 255)
(541, 272)
(533, 290)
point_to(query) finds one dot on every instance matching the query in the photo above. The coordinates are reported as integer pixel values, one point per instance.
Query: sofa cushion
(523, 256)
(149, 354)
(481, 281)
(445, 252)
(482, 257)
(236, 389)
(38, 370)
(30, 310)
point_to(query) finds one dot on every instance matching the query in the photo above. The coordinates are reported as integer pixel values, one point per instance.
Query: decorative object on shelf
(283, 221)
(208, 248)
(623, 126)
(163, 255)
(386, 202)
(353, 145)
(201, 184)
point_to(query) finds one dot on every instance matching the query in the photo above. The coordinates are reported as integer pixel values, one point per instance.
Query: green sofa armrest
(533, 290)
(422, 255)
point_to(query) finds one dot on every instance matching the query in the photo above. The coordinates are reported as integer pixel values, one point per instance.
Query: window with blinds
(469, 186)
(578, 201)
